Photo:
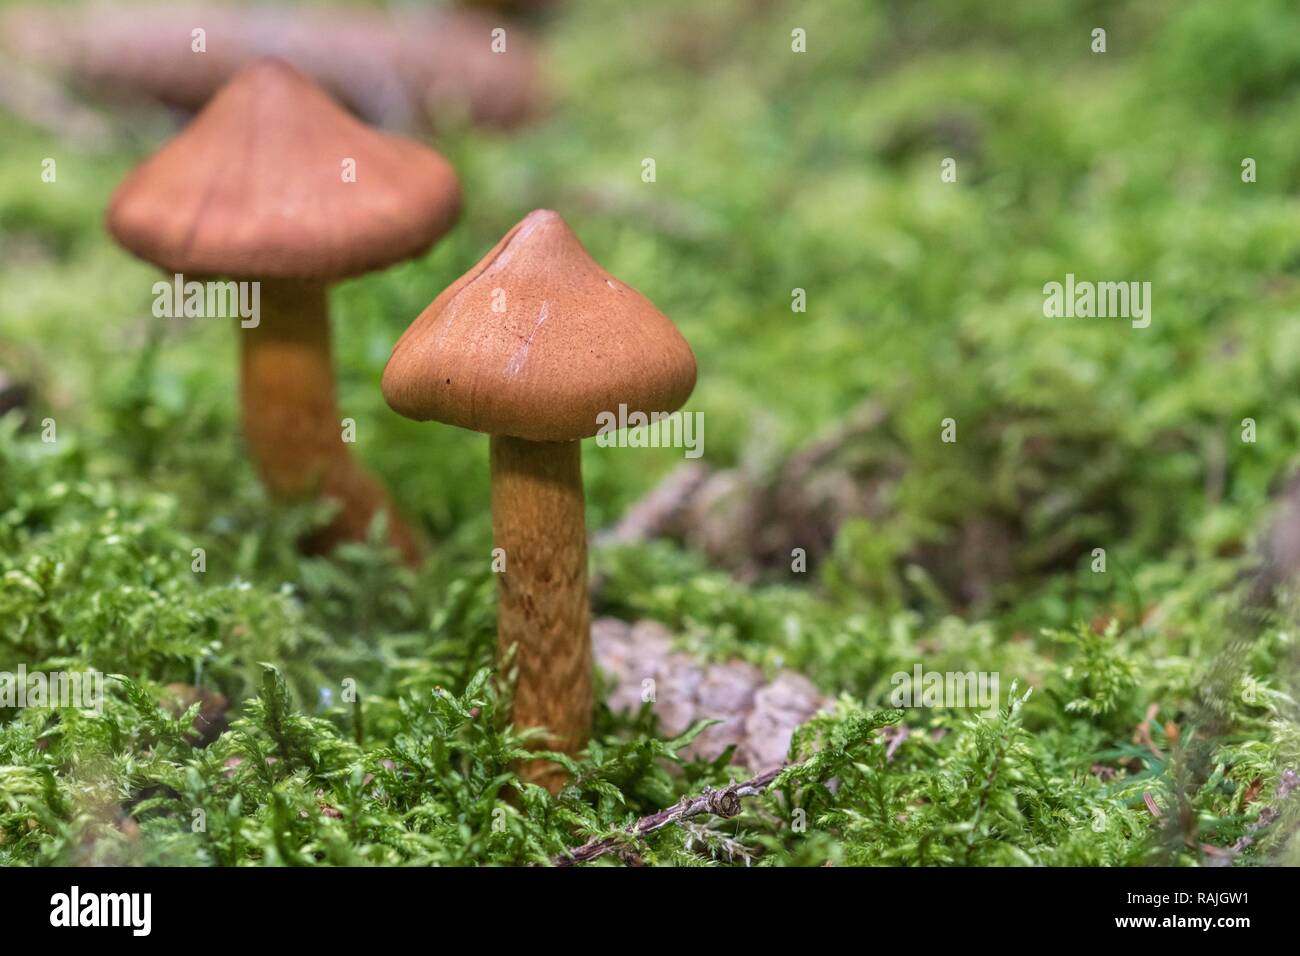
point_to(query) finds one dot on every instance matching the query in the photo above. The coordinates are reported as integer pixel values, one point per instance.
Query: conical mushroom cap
(535, 342)
(256, 187)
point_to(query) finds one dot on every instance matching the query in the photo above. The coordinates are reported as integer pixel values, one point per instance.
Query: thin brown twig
(723, 803)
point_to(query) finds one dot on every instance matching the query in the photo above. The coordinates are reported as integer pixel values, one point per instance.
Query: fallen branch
(723, 803)
(749, 518)
(655, 513)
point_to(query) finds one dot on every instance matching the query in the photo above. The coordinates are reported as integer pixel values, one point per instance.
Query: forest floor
(1089, 538)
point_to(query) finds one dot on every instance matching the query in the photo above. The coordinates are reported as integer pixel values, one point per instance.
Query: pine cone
(757, 715)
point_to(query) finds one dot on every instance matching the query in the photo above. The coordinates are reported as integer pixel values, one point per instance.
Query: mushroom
(274, 182)
(531, 346)
(398, 68)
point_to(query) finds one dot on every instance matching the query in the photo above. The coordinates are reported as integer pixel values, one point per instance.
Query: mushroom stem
(544, 611)
(291, 419)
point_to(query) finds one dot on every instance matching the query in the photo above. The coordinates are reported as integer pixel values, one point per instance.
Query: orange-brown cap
(536, 342)
(275, 180)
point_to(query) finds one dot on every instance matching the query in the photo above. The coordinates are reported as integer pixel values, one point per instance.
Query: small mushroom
(531, 346)
(275, 182)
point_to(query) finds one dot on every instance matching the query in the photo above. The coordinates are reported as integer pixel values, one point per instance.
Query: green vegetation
(775, 171)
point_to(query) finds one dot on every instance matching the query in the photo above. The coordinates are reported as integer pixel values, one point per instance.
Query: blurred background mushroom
(258, 187)
(398, 70)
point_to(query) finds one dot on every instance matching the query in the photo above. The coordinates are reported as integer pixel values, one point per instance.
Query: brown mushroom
(398, 68)
(531, 346)
(275, 182)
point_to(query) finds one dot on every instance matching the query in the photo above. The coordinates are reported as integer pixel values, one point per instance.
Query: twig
(653, 514)
(722, 803)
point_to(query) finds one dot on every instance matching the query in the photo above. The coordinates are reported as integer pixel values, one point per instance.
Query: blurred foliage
(775, 171)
